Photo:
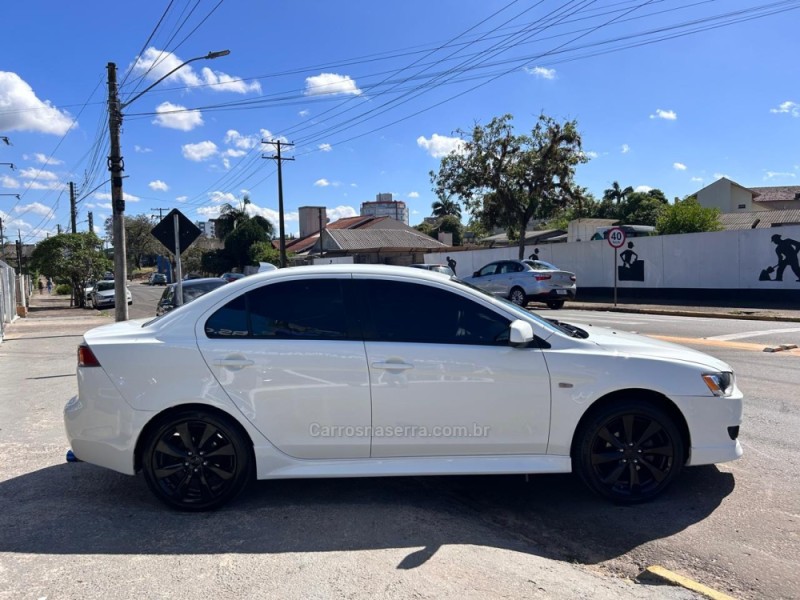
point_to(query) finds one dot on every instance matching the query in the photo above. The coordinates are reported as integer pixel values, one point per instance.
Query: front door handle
(234, 362)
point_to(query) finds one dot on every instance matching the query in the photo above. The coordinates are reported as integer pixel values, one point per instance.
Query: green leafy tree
(239, 242)
(506, 180)
(688, 216)
(616, 194)
(139, 242)
(72, 258)
(265, 252)
(642, 208)
(215, 262)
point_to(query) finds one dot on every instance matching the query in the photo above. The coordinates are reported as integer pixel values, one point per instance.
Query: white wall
(720, 260)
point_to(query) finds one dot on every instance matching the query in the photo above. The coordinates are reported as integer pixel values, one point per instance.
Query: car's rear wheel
(194, 461)
(555, 304)
(517, 296)
(629, 451)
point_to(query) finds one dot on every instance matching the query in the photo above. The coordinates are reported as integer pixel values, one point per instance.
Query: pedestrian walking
(49, 285)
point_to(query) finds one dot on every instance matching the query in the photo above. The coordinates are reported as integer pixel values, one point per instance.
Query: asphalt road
(74, 530)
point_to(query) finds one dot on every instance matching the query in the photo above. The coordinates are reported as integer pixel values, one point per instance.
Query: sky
(668, 94)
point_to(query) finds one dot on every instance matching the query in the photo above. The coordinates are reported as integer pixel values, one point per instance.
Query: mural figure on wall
(787, 251)
(631, 269)
(535, 255)
(451, 262)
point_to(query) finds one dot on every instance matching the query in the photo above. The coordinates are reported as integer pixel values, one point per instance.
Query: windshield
(540, 265)
(104, 286)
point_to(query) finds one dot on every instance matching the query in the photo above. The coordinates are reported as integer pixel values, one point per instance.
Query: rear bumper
(562, 294)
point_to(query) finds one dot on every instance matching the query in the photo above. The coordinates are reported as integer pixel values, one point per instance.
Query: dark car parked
(193, 288)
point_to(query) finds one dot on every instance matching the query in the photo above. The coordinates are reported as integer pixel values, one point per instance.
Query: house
(531, 237)
(365, 239)
(761, 219)
(731, 197)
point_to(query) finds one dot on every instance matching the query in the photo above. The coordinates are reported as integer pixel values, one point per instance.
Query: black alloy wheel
(629, 452)
(196, 461)
(555, 304)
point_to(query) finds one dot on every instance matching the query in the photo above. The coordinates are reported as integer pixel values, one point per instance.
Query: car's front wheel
(629, 451)
(517, 296)
(555, 304)
(194, 461)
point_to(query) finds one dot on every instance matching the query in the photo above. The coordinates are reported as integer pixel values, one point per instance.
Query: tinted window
(303, 309)
(409, 312)
(192, 291)
(487, 270)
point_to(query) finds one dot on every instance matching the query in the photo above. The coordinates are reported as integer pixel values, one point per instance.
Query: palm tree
(231, 216)
(446, 206)
(616, 194)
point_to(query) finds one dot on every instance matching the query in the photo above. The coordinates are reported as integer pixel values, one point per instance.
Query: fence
(8, 295)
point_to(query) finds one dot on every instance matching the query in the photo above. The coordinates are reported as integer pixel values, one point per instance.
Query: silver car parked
(523, 281)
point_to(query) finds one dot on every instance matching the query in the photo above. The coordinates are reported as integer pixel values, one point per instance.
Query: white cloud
(354, 185)
(222, 197)
(788, 108)
(679, 166)
(669, 115)
(186, 120)
(106, 205)
(439, 146)
(142, 149)
(49, 185)
(413, 194)
(9, 182)
(541, 72)
(158, 185)
(304, 113)
(643, 188)
(591, 154)
(697, 179)
(181, 198)
(322, 183)
(44, 159)
(325, 147)
(232, 153)
(156, 64)
(625, 148)
(330, 83)
(720, 176)
(36, 208)
(200, 151)
(243, 142)
(23, 111)
(778, 174)
(39, 174)
(225, 83)
(341, 212)
(226, 162)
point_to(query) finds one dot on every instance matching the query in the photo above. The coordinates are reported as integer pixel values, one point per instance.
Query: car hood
(640, 345)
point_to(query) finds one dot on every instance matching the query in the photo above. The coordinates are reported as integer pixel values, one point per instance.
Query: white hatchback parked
(354, 371)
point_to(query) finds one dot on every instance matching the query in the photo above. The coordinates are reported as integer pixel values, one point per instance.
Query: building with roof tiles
(731, 197)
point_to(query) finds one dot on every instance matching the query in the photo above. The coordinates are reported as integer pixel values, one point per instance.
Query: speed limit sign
(616, 237)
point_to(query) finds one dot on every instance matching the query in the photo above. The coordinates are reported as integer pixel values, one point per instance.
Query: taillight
(542, 277)
(86, 357)
(572, 278)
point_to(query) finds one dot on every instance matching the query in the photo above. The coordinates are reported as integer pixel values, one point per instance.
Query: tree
(445, 206)
(239, 241)
(688, 216)
(615, 194)
(231, 216)
(265, 252)
(506, 180)
(139, 242)
(73, 258)
(642, 208)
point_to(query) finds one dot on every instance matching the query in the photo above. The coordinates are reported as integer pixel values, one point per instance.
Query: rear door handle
(234, 362)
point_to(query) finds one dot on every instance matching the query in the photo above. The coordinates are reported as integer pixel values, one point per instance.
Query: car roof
(199, 281)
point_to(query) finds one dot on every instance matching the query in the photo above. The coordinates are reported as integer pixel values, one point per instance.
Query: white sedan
(358, 370)
(103, 294)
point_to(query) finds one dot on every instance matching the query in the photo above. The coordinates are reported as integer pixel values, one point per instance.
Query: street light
(10, 165)
(116, 166)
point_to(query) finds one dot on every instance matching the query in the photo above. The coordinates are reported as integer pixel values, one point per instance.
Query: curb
(663, 575)
(688, 313)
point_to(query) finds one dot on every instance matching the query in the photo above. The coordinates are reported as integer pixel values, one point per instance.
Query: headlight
(720, 384)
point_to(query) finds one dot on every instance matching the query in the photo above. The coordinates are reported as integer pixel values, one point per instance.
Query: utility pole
(19, 252)
(2, 241)
(160, 212)
(73, 210)
(115, 167)
(91, 222)
(277, 144)
(58, 228)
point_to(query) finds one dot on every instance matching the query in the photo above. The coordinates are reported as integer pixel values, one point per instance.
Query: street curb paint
(667, 576)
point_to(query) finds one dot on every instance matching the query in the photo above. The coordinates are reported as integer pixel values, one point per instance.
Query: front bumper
(710, 421)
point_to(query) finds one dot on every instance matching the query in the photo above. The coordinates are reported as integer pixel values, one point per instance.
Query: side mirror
(521, 333)
(476, 274)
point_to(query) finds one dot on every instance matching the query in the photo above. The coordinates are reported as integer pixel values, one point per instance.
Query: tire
(555, 304)
(628, 452)
(195, 461)
(517, 296)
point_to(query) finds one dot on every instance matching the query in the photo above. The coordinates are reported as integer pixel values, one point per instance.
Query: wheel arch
(167, 412)
(644, 395)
